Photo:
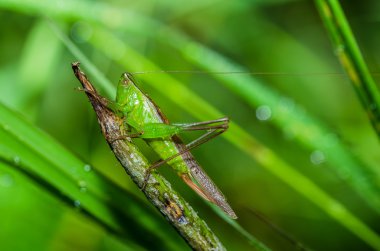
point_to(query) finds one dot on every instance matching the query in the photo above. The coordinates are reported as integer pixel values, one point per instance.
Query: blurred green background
(301, 150)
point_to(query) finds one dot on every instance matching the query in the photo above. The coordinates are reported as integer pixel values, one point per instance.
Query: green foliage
(302, 125)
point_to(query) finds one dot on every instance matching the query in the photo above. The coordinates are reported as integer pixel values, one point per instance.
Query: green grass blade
(105, 84)
(32, 83)
(27, 201)
(351, 58)
(40, 156)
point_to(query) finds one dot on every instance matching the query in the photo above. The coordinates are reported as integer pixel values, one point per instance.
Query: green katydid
(143, 119)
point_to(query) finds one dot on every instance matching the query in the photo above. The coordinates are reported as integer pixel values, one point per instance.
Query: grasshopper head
(128, 94)
(127, 79)
(125, 88)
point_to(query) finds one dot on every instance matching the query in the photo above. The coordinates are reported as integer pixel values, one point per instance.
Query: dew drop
(87, 168)
(77, 203)
(16, 160)
(317, 157)
(6, 180)
(263, 113)
(82, 185)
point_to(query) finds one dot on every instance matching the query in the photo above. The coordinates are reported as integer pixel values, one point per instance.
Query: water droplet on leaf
(317, 157)
(87, 168)
(263, 113)
(16, 160)
(82, 185)
(77, 204)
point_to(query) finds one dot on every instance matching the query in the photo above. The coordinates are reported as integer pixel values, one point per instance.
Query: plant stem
(158, 191)
(351, 58)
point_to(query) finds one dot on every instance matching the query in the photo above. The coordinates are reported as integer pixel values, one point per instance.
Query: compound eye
(126, 78)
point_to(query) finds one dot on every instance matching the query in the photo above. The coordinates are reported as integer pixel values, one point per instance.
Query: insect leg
(125, 136)
(187, 179)
(193, 144)
(204, 125)
(113, 106)
(102, 101)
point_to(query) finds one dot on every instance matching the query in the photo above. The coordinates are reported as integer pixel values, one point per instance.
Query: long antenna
(245, 73)
(239, 72)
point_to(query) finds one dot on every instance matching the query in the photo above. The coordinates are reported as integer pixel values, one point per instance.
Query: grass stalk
(348, 52)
